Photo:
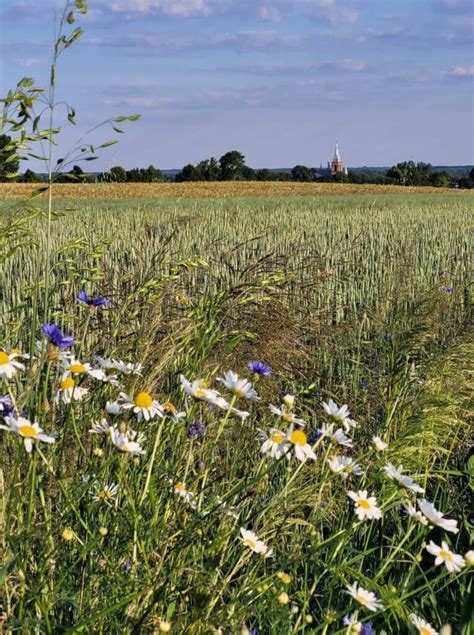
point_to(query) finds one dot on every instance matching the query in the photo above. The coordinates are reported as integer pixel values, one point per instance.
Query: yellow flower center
(361, 598)
(238, 393)
(288, 417)
(277, 437)
(250, 543)
(298, 437)
(16, 351)
(180, 487)
(424, 630)
(27, 431)
(67, 383)
(203, 384)
(362, 502)
(4, 358)
(169, 407)
(77, 368)
(447, 555)
(143, 400)
(104, 494)
(200, 392)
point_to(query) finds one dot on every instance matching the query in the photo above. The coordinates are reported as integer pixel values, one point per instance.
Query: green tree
(188, 173)
(29, 177)
(117, 174)
(303, 174)
(232, 165)
(439, 179)
(152, 175)
(8, 163)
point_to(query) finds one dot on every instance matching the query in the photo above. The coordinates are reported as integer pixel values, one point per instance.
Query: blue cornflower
(259, 368)
(387, 338)
(448, 290)
(365, 629)
(199, 465)
(55, 336)
(98, 301)
(196, 429)
(127, 566)
(6, 406)
(314, 436)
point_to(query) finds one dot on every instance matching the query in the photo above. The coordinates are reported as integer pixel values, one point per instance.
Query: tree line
(232, 167)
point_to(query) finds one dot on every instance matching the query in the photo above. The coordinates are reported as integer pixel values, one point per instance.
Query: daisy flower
(188, 497)
(127, 368)
(275, 445)
(143, 405)
(337, 436)
(301, 447)
(56, 336)
(415, 514)
(285, 414)
(339, 415)
(378, 444)
(100, 427)
(254, 543)
(259, 368)
(27, 430)
(106, 494)
(437, 518)
(424, 627)
(238, 386)
(8, 365)
(69, 391)
(242, 414)
(344, 466)
(199, 390)
(364, 597)
(365, 506)
(125, 441)
(395, 474)
(453, 561)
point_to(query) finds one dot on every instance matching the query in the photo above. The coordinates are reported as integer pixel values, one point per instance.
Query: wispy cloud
(462, 71)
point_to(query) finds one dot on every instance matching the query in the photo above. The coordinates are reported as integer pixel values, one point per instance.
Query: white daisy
(254, 543)
(242, 414)
(238, 386)
(364, 597)
(143, 405)
(289, 401)
(437, 518)
(415, 514)
(8, 365)
(339, 415)
(125, 441)
(127, 368)
(395, 474)
(424, 628)
(69, 391)
(188, 497)
(453, 561)
(365, 506)
(199, 390)
(469, 558)
(378, 444)
(301, 447)
(100, 427)
(275, 445)
(344, 466)
(106, 494)
(287, 416)
(27, 430)
(337, 436)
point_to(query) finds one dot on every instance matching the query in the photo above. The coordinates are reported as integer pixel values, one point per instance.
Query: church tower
(337, 164)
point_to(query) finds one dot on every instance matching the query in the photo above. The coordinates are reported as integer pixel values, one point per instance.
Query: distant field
(211, 190)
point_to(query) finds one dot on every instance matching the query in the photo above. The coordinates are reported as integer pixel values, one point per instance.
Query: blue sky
(280, 80)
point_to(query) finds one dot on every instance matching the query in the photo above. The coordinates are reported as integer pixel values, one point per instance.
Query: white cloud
(462, 71)
(271, 14)
(178, 8)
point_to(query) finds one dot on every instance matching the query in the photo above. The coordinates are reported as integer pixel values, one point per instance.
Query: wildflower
(437, 518)
(453, 561)
(196, 429)
(448, 290)
(113, 408)
(143, 405)
(127, 368)
(199, 465)
(6, 406)
(182, 492)
(106, 494)
(301, 446)
(69, 391)
(259, 368)
(199, 390)
(242, 414)
(287, 416)
(423, 627)
(172, 412)
(127, 566)
(254, 543)
(56, 337)
(125, 441)
(378, 444)
(358, 628)
(339, 415)
(288, 400)
(313, 437)
(364, 597)
(283, 598)
(275, 445)
(395, 474)
(284, 577)
(415, 514)
(101, 427)
(8, 365)
(469, 558)
(67, 534)
(103, 531)
(344, 466)
(98, 452)
(98, 301)
(164, 626)
(27, 430)
(365, 507)
(238, 386)
(337, 436)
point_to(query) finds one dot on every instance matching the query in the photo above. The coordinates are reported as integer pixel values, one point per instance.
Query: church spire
(337, 156)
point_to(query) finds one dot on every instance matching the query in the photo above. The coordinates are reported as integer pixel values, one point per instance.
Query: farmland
(353, 293)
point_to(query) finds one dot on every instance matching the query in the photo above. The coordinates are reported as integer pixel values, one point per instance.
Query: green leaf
(70, 19)
(107, 144)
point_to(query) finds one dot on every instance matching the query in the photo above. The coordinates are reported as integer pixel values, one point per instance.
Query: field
(197, 508)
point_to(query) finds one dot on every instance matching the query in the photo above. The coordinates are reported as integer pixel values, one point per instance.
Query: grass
(363, 298)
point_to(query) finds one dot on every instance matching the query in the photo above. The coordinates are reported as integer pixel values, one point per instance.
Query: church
(336, 166)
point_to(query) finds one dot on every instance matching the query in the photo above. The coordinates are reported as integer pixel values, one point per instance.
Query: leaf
(107, 144)
(70, 19)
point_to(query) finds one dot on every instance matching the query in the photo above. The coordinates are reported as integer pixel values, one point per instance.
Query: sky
(279, 80)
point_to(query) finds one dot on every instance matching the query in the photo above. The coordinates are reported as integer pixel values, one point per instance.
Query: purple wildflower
(448, 290)
(196, 429)
(97, 302)
(366, 627)
(127, 566)
(314, 436)
(259, 368)
(6, 406)
(199, 465)
(56, 337)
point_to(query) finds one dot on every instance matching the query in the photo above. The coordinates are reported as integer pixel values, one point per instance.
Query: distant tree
(117, 174)
(471, 174)
(152, 175)
(232, 165)
(7, 164)
(395, 175)
(439, 179)
(29, 177)
(264, 175)
(248, 174)
(213, 172)
(340, 177)
(188, 173)
(303, 174)
(465, 183)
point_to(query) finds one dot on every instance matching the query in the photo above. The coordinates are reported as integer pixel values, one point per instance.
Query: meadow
(146, 489)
